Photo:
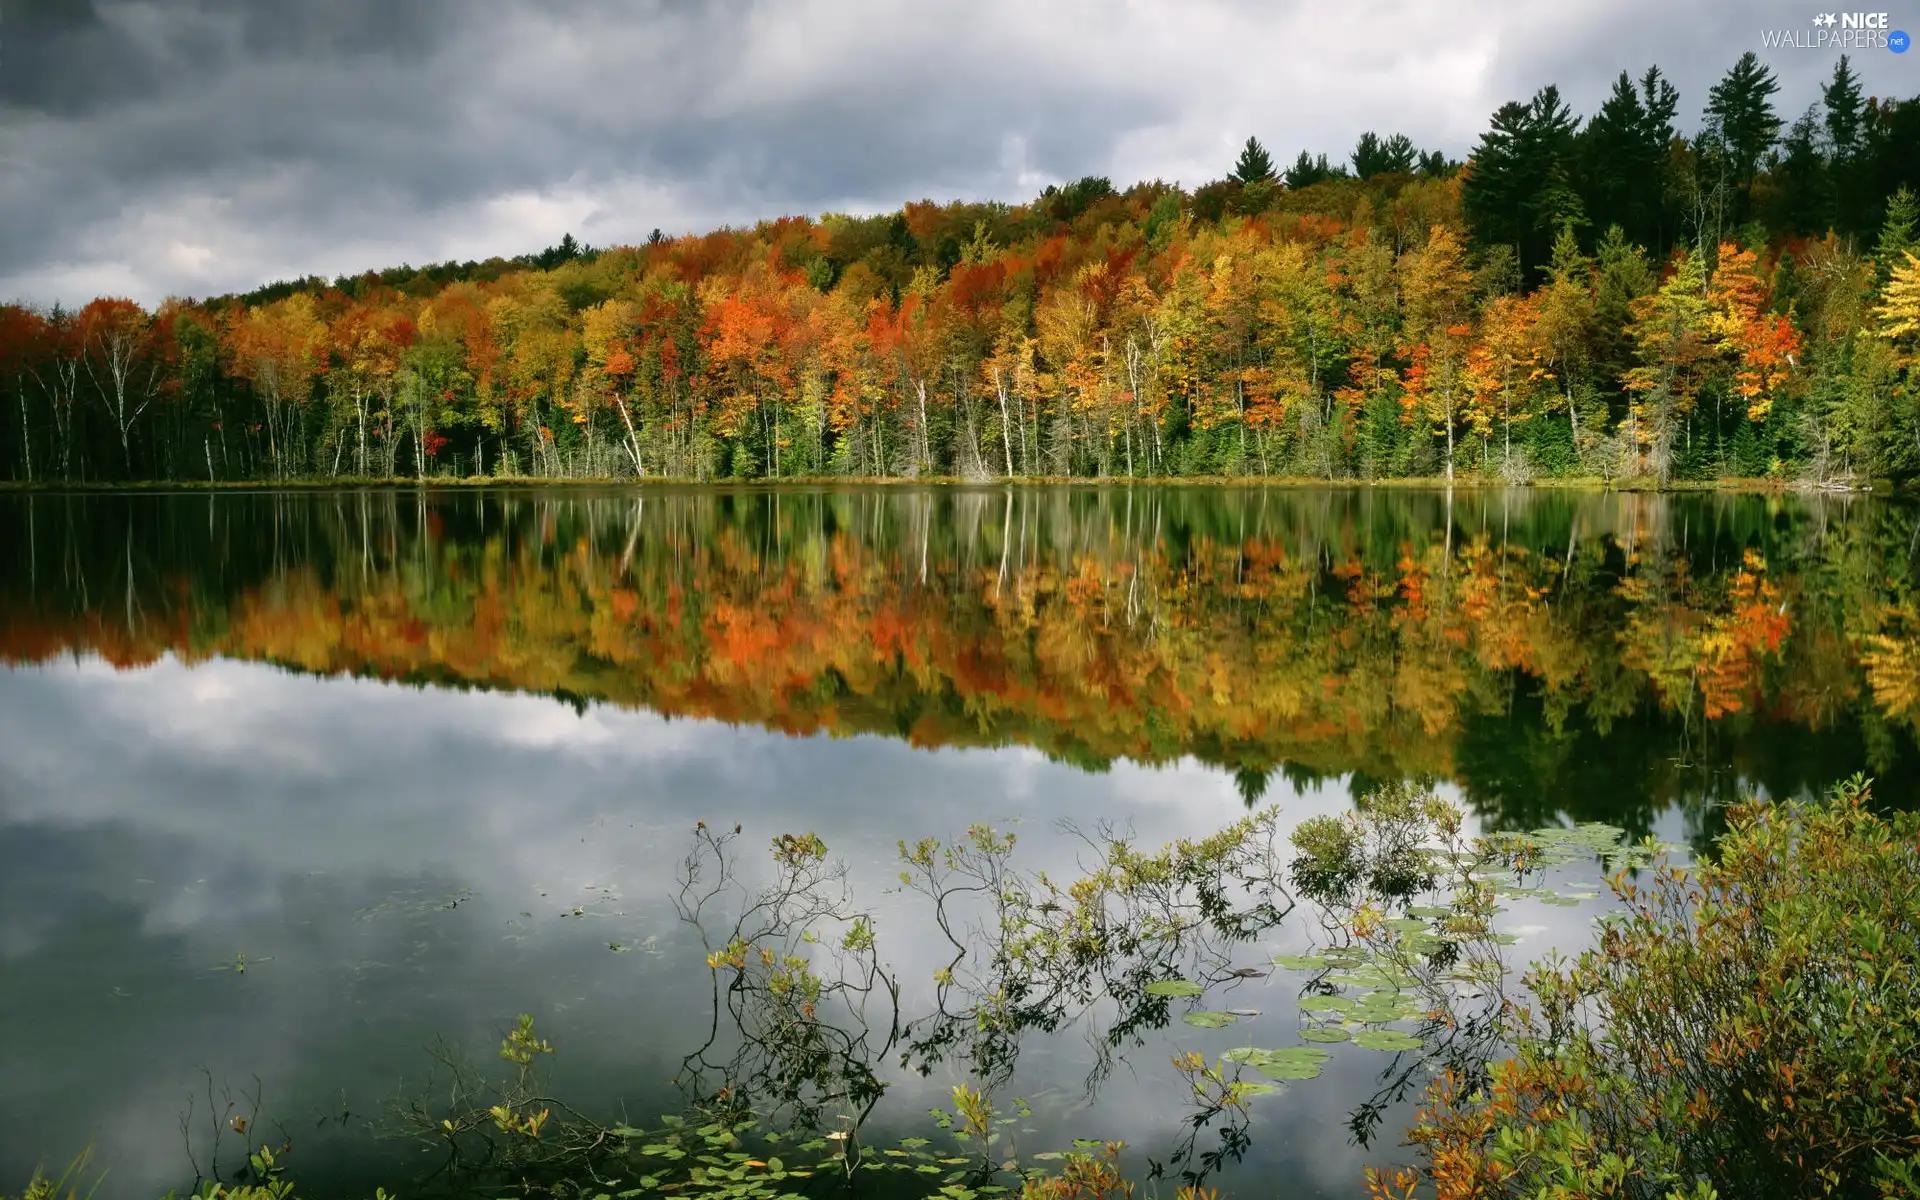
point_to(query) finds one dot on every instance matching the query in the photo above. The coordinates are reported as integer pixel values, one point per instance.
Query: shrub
(1747, 1028)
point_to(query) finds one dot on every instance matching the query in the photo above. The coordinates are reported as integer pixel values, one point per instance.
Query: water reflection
(320, 729)
(1603, 656)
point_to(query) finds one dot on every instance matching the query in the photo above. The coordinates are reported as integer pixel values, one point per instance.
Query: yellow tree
(1672, 340)
(1899, 315)
(1436, 287)
(1508, 362)
(606, 333)
(277, 348)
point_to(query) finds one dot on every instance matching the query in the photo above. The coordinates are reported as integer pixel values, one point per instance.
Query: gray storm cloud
(200, 146)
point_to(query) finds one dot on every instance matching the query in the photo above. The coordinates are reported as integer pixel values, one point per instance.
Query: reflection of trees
(1549, 652)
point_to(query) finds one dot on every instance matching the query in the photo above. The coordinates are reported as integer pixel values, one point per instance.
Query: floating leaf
(1302, 962)
(1429, 911)
(1324, 1004)
(1386, 1039)
(1174, 987)
(1325, 1033)
(1289, 1070)
(1208, 1020)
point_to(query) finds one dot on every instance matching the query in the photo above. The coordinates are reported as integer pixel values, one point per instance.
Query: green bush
(1747, 1028)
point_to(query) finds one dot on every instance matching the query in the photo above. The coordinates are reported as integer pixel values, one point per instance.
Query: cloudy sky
(155, 147)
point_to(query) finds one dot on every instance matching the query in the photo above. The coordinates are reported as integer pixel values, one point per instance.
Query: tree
(1803, 195)
(1741, 125)
(1622, 157)
(1254, 165)
(1845, 123)
(1566, 321)
(123, 362)
(1308, 170)
(1899, 233)
(1438, 289)
(1373, 155)
(1518, 188)
(24, 341)
(1672, 340)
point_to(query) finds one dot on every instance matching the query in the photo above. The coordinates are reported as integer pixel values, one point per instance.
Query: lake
(306, 795)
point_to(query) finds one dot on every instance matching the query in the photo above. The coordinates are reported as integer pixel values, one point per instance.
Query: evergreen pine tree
(1743, 126)
(1255, 165)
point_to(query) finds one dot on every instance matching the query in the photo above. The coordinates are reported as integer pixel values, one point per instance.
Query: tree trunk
(1006, 438)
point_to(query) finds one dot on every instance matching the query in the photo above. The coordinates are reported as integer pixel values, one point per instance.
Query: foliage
(1270, 323)
(1746, 1027)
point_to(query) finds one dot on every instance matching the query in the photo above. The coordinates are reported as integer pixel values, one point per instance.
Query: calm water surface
(431, 759)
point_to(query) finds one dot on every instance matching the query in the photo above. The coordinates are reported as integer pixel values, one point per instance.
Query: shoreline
(1738, 486)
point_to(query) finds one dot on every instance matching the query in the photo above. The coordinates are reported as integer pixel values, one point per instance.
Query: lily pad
(1289, 1070)
(1325, 1033)
(1325, 1004)
(1302, 962)
(1406, 925)
(1429, 911)
(1208, 1020)
(1386, 1039)
(1174, 987)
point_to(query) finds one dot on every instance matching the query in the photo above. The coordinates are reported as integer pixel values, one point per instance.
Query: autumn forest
(1624, 295)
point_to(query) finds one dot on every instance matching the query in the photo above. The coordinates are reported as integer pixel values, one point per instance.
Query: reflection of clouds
(157, 822)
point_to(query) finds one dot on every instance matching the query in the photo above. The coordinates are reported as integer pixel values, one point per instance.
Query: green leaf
(1174, 987)
(1324, 1004)
(1302, 962)
(1208, 1020)
(1289, 1070)
(1325, 1033)
(1386, 1039)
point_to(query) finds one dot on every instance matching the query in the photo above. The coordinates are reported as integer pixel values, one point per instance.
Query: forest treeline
(1548, 652)
(1599, 297)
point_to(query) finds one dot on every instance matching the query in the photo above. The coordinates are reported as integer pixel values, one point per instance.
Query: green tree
(1741, 126)
(1309, 169)
(1802, 197)
(1898, 234)
(1518, 189)
(1622, 157)
(1374, 155)
(1844, 119)
(1254, 165)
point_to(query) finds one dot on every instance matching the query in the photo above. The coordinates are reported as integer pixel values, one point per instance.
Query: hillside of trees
(1607, 296)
